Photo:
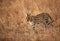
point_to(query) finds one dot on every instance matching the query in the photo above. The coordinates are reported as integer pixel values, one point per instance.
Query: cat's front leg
(33, 26)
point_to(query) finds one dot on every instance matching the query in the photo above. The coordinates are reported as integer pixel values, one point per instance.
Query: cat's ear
(28, 14)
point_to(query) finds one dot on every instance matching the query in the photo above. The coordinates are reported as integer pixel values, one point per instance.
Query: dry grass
(13, 24)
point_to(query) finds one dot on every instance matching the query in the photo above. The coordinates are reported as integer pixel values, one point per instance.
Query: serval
(44, 18)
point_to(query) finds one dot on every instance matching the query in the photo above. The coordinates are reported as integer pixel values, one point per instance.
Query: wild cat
(44, 18)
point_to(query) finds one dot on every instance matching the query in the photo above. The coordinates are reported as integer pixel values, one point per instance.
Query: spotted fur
(44, 18)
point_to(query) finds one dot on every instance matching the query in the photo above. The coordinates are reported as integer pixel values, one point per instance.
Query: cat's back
(43, 14)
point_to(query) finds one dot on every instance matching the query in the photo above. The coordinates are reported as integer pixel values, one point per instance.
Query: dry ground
(13, 24)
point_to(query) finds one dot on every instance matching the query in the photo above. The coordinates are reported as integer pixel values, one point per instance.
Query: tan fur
(40, 18)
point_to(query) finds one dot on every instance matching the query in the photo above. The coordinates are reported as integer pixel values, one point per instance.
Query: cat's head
(28, 17)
